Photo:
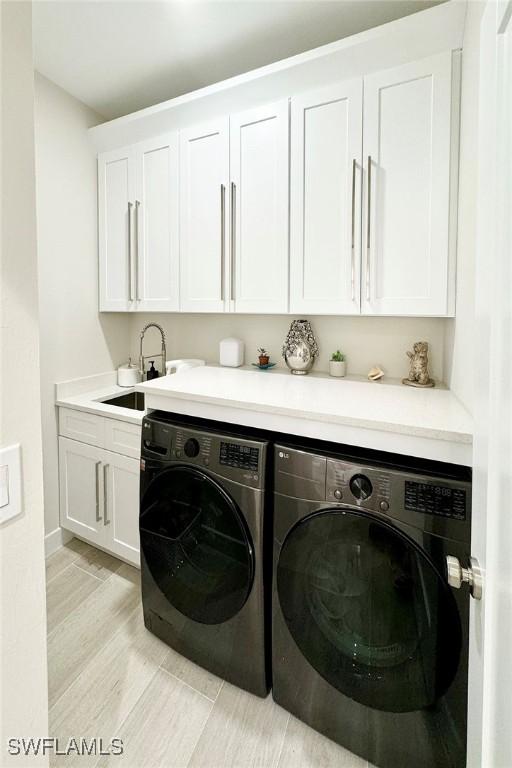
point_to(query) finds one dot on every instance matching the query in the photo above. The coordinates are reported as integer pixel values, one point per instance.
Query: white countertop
(430, 423)
(87, 394)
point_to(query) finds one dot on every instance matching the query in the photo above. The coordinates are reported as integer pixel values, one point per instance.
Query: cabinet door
(259, 209)
(81, 490)
(121, 478)
(116, 187)
(156, 225)
(406, 149)
(204, 174)
(325, 212)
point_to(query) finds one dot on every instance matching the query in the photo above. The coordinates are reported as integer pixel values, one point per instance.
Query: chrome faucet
(162, 354)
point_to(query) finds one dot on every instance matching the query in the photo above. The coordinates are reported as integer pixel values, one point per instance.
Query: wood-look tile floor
(111, 678)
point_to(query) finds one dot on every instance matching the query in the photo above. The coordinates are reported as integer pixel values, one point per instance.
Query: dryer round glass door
(196, 545)
(368, 610)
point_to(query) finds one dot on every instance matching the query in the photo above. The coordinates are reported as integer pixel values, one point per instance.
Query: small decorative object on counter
(418, 371)
(300, 348)
(152, 371)
(263, 360)
(263, 356)
(231, 352)
(128, 375)
(337, 364)
(376, 373)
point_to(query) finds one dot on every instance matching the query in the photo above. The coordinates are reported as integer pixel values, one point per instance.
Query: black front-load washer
(369, 642)
(202, 510)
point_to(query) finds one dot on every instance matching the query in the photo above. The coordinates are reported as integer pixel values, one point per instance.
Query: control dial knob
(361, 487)
(191, 448)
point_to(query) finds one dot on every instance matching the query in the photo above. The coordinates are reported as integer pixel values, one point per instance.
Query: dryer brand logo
(284, 455)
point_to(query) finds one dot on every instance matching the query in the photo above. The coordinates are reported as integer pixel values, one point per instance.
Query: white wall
(366, 341)
(75, 340)
(460, 351)
(24, 701)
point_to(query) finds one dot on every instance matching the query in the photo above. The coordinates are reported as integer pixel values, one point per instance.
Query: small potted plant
(337, 364)
(263, 356)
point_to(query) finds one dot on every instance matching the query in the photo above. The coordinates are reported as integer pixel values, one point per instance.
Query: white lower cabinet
(99, 497)
(121, 507)
(81, 490)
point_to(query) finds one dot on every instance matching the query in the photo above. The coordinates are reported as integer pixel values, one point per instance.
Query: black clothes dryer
(370, 643)
(202, 517)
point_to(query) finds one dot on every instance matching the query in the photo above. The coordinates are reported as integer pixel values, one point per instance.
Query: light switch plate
(10, 482)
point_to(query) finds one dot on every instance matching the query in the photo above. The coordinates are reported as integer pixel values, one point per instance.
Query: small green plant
(262, 352)
(337, 357)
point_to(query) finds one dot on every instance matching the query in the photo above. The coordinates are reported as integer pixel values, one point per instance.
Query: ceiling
(120, 56)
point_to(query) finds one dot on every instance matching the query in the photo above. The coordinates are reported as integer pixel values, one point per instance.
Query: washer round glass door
(196, 545)
(368, 610)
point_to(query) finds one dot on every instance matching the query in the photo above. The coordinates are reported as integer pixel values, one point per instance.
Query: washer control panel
(239, 459)
(236, 455)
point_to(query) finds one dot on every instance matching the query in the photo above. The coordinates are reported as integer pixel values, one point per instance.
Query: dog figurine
(418, 366)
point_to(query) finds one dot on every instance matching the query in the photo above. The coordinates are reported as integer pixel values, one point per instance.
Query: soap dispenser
(152, 372)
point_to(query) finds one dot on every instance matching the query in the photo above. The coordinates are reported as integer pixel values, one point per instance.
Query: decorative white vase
(337, 368)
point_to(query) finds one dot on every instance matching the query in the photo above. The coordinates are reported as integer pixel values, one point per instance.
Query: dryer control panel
(437, 504)
(435, 499)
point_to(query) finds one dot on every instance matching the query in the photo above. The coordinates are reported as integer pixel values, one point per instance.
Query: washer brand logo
(283, 455)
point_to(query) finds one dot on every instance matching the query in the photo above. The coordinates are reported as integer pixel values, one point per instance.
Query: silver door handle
(222, 237)
(130, 265)
(106, 520)
(353, 235)
(137, 207)
(97, 467)
(368, 227)
(233, 237)
(472, 575)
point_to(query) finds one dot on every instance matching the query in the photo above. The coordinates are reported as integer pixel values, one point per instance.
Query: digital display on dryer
(435, 500)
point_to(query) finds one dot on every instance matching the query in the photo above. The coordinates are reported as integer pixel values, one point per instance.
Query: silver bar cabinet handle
(222, 237)
(368, 228)
(137, 207)
(130, 266)
(106, 520)
(233, 238)
(97, 467)
(353, 235)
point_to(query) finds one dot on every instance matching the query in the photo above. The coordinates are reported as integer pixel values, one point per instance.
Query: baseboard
(55, 540)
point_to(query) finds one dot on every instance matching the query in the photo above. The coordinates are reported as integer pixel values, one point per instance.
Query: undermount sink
(133, 400)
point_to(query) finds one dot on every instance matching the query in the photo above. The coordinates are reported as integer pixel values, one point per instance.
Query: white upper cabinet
(259, 209)
(204, 180)
(343, 203)
(407, 259)
(156, 222)
(325, 213)
(116, 194)
(138, 227)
